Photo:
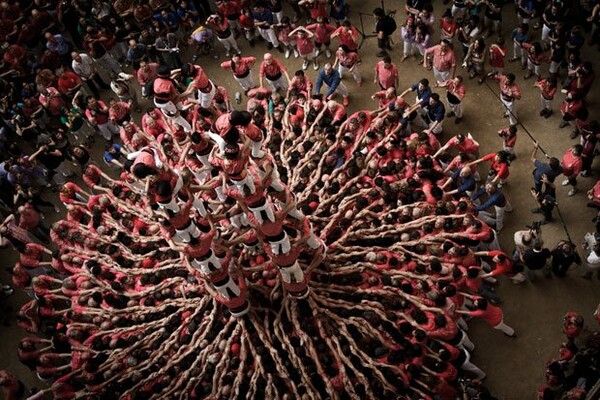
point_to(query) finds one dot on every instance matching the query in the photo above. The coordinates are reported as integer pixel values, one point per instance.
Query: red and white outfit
(242, 71)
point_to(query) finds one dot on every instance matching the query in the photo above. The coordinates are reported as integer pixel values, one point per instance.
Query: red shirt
(200, 80)
(348, 37)
(271, 70)
(386, 76)
(322, 32)
(468, 146)
(68, 81)
(497, 56)
(571, 164)
(492, 315)
(304, 44)
(241, 69)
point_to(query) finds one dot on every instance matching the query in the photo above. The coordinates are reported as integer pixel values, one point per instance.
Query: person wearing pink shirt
(386, 73)
(145, 75)
(443, 61)
(347, 61)
(305, 46)
(322, 30)
(455, 93)
(242, 71)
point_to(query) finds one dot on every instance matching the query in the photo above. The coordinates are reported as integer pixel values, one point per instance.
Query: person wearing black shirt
(535, 259)
(385, 26)
(563, 256)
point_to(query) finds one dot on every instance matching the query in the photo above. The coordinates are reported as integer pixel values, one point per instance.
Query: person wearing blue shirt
(519, 36)
(436, 113)
(263, 19)
(113, 153)
(331, 77)
(465, 182)
(496, 199)
(551, 170)
(423, 91)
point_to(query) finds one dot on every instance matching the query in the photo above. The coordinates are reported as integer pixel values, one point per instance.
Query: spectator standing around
(385, 26)
(509, 92)
(242, 71)
(443, 61)
(274, 73)
(547, 88)
(322, 30)
(305, 46)
(333, 80)
(263, 20)
(386, 74)
(563, 256)
(572, 164)
(591, 246)
(347, 61)
(84, 66)
(455, 94)
(536, 259)
(509, 140)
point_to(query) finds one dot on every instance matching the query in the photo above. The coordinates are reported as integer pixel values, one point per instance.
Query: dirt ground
(515, 367)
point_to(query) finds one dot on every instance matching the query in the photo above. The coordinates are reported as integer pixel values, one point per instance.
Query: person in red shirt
(548, 90)
(347, 61)
(241, 67)
(322, 30)
(572, 163)
(300, 84)
(509, 140)
(305, 46)
(509, 92)
(386, 73)
(68, 83)
(348, 35)
(497, 56)
(455, 93)
(274, 72)
(146, 74)
(491, 314)
(464, 144)
(499, 167)
(224, 34)
(12, 388)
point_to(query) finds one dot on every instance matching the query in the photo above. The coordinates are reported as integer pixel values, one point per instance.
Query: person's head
(510, 78)
(577, 150)
(434, 99)
(538, 244)
(387, 61)
(423, 83)
(163, 71)
(445, 44)
(232, 150)
(465, 172)
(491, 188)
(328, 68)
(378, 12)
(268, 57)
(481, 303)
(75, 56)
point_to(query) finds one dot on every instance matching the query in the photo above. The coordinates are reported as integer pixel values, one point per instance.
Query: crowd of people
(294, 249)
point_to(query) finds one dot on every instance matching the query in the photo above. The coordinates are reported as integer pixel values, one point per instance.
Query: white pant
(545, 32)
(457, 109)
(205, 99)
(466, 342)
(239, 220)
(246, 182)
(108, 130)
(498, 218)
(189, 232)
(231, 285)
(533, 67)
(177, 119)
(205, 265)
(256, 148)
(269, 35)
(171, 205)
(510, 110)
(458, 11)
(342, 90)
(281, 246)
(546, 104)
(229, 43)
(247, 83)
(518, 52)
(468, 366)
(267, 208)
(280, 84)
(354, 71)
(293, 270)
(554, 67)
(441, 76)
(438, 128)
(507, 330)
(409, 48)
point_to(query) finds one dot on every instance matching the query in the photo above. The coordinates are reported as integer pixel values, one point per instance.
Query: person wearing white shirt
(85, 67)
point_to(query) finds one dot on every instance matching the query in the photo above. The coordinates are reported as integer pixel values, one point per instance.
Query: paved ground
(514, 367)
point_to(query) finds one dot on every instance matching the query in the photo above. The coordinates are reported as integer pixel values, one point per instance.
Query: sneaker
(548, 114)
(296, 54)
(238, 52)
(542, 112)
(565, 182)
(346, 101)
(403, 58)
(563, 124)
(227, 55)
(315, 65)
(586, 173)
(327, 53)
(572, 192)
(305, 65)
(317, 53)
(287, 53)
(450, 114)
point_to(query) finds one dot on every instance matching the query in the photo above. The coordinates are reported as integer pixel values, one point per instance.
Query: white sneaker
(287, 53)
(318, 52)
(565, 182)
(296, 54)
(305, 65)
(572, 192)
(227, 55)
(327, 53)
(315, 65)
